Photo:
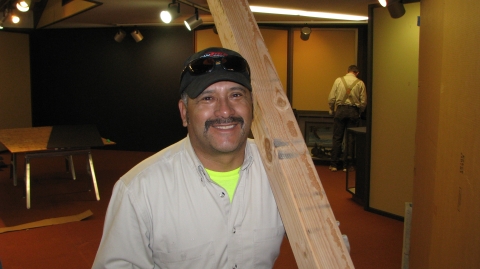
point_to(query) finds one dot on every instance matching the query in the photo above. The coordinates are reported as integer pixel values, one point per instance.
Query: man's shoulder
(253, 151)
(252, 145)
(168, 153)
(163, 160)
(351, 78)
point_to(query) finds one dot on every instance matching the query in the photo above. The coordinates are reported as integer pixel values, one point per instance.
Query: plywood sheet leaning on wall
(314, 236)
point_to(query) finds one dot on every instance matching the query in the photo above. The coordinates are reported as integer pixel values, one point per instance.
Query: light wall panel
(394, 108)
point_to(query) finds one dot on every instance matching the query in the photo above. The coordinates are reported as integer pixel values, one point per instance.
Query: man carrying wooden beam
(206, 201)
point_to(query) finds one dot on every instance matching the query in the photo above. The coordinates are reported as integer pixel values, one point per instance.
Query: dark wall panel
(128, 89)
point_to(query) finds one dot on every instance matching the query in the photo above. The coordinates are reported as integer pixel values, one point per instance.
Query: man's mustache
(209, 123)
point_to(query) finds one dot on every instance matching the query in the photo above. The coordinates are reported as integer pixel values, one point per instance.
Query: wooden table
(33, 143)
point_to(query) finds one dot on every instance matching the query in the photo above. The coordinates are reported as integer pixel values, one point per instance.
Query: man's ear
(183, 112)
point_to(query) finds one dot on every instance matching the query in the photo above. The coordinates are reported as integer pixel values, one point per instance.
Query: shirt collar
(247, 161)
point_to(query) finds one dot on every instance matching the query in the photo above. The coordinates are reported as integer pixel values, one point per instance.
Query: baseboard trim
(384, 213)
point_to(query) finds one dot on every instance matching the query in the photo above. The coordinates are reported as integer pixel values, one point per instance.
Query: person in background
(347, 100)
(205, 201)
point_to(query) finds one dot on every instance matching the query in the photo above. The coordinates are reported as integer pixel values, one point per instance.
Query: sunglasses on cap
(205, 65)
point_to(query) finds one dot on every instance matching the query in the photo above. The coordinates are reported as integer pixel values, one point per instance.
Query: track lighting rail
(188, 3)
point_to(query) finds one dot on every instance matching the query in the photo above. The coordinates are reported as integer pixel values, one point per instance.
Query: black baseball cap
(195, 82)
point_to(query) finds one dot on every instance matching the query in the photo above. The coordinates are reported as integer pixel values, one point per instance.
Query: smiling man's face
(219, 119)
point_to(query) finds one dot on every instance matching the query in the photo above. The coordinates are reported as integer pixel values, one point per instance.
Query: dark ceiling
(112, 13)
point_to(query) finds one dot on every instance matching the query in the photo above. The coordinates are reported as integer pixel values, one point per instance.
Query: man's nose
(224, 108)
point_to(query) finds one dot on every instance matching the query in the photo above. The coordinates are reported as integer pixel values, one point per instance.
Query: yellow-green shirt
(227, 180)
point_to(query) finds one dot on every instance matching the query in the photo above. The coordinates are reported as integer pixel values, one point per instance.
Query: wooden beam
(311, 227)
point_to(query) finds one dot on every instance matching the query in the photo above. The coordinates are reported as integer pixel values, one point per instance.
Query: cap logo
(214, 54)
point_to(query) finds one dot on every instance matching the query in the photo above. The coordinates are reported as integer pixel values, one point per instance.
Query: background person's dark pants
(345, 117)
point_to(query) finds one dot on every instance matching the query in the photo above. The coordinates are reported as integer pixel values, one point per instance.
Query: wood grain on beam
(311, 227)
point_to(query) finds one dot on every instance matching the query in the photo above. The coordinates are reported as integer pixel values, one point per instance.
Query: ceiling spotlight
(395, 8)
(383, 3)
(1, 25)
(120, 35)
(193, 22)
(305, 33)
(137, 35)
(15, 18)
(170, 13)
(166, 16)
(23, 5)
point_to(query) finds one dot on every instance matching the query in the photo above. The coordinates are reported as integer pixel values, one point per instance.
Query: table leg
(88, 166)
(71, 167)
(13, 168)
(94, 180)
(27, 181)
